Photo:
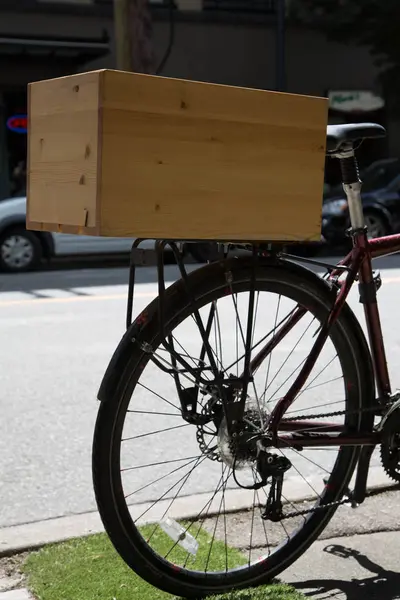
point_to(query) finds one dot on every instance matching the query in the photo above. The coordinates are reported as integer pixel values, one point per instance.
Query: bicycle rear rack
(154, 257)
(181, 365)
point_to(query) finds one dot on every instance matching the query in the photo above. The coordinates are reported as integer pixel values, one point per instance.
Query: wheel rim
(375, 226)
(17, 252)
(151, 534)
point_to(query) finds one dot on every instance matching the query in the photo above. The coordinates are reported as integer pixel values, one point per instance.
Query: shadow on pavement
(72, 279)
(68, 275)
(382, 585)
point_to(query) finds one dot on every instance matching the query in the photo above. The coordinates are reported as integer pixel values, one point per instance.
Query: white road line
(38, 301)
(65, 299)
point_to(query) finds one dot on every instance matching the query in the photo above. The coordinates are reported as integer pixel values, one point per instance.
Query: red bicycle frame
(356, 264)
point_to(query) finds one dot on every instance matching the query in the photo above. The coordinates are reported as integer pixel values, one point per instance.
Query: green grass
(90, 569)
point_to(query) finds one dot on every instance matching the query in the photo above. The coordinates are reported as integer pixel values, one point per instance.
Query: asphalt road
(58, 332)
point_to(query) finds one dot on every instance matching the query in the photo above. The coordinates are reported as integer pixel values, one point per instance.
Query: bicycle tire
(120, 376)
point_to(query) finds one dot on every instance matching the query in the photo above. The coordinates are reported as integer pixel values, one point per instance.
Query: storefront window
(16, 139)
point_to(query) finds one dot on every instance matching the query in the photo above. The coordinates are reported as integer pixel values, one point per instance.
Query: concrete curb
(31, 536)
(20, 594)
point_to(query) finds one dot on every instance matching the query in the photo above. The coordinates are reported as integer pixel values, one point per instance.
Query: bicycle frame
(357, 264)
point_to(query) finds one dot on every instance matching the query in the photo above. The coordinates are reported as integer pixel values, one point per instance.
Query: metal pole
(122, 35)
(133, 35)
(280, 45)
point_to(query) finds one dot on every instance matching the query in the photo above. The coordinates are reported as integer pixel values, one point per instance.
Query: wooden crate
(121, 154)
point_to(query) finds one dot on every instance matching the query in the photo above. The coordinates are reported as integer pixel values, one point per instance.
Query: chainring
(390, 446)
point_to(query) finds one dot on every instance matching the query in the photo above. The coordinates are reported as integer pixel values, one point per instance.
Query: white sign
(355, 101)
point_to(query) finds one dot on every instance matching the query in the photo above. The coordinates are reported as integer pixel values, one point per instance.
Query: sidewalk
(21, 594)
(355, 558)
(360, 567)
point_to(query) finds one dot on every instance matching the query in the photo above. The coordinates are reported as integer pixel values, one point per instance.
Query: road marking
(74, 299)
(37, 301)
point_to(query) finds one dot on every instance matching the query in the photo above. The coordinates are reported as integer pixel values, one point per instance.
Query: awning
(72, 50)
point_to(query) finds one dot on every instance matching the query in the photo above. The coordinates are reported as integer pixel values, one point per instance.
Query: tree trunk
(133, 35)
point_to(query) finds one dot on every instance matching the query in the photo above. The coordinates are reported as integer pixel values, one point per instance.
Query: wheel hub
(16, 251)
(240, 449)
(236, 451)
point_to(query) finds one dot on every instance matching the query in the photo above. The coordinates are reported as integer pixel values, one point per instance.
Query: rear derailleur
(272, 467)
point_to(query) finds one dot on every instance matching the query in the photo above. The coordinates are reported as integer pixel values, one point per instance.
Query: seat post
(352, 186)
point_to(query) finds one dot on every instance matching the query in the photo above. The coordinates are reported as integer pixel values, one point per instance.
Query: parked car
(22, 250)
(381, 202)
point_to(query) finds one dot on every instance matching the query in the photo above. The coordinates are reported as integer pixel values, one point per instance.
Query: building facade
(221, 41)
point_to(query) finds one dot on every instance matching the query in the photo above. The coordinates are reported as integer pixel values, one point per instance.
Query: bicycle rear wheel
(149, 464)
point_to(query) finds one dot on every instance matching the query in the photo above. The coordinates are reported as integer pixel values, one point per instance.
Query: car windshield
(376, 176)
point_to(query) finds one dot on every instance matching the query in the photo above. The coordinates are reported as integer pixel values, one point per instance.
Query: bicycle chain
(376, 492)
(347, 500)
(337, 413)
(215, 457)
(379, 407)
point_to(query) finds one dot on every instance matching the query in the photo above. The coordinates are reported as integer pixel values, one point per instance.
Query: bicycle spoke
(185, 480)
(270, 354)
(216, 522)
(316, 377)
(163, 496)
(285, 381)
(263, 521)
(225, 530)
(302, 476)
(252, 524)
(157, 464)
(210, 347)
(263, 339)
(174, 370)
(309, 460)
(313, 387)
(158, 479)
(283, 364)
(152, 412)
(315, 406)
(159, 396)
(199, 461)
(255, 320)
(142, 435)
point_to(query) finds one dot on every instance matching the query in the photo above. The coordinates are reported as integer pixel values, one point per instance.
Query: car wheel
(376, 224)
(20, 250)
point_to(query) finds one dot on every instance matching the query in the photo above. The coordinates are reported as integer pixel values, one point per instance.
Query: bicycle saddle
(337, 135)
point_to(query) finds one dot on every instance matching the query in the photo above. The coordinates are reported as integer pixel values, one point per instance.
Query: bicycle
(223, 426)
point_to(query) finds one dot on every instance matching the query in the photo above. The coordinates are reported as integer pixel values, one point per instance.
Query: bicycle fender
(121, 355)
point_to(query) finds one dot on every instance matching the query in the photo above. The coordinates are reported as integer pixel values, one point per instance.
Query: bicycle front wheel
(167, 490)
